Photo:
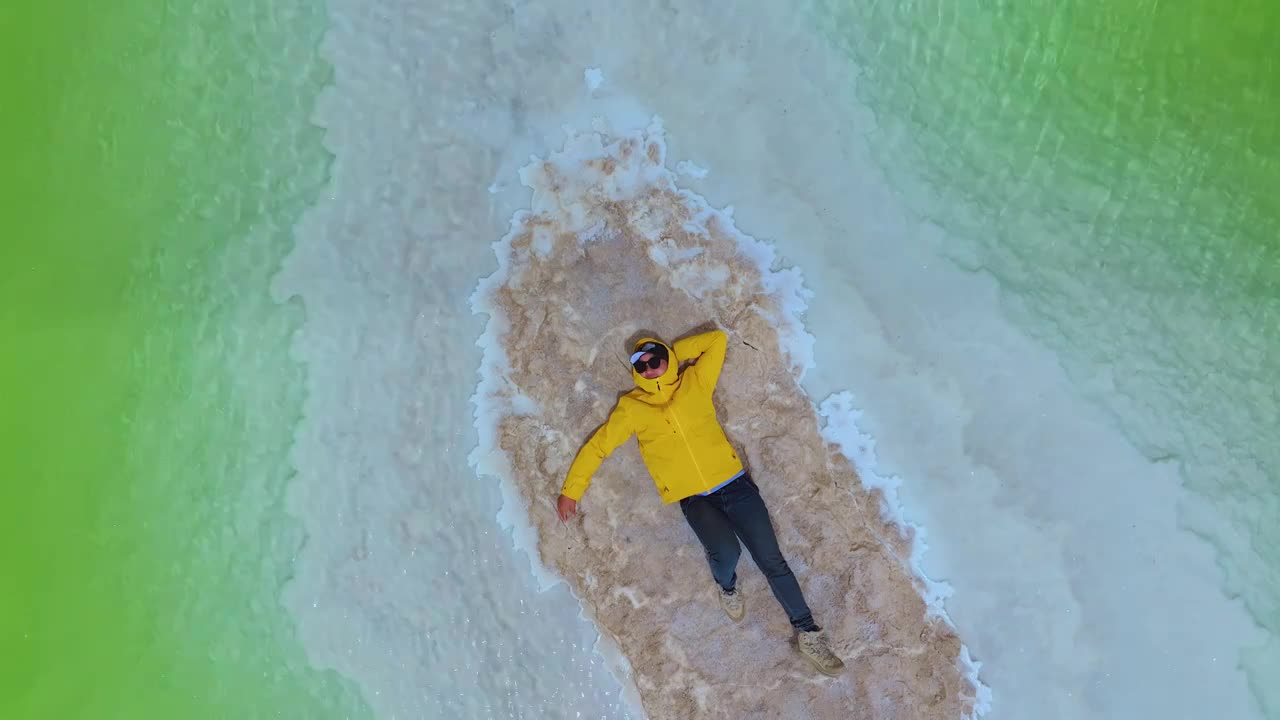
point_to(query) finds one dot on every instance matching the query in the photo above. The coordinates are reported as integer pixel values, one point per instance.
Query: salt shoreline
(431, 114)
(608, 192)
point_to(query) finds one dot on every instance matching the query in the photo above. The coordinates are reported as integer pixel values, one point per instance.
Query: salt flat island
(612, 247)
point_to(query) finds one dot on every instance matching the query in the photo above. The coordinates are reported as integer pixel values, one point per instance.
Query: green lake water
(1114, 167)
(156, 156)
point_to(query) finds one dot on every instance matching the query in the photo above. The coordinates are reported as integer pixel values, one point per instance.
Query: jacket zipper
(685, 438)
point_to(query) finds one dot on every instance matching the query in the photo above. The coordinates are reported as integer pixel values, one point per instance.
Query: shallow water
(1027, 236)
(1127, 155)
(158, 160)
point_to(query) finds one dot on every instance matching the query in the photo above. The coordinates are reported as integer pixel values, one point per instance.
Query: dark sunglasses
(651, 364)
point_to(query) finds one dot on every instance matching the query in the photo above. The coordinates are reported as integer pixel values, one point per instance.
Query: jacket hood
(664, 385)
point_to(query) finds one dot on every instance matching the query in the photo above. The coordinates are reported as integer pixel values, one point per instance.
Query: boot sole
(731, 617)
(819, 667)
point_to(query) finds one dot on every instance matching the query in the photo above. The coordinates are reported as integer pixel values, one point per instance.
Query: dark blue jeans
(736, 511)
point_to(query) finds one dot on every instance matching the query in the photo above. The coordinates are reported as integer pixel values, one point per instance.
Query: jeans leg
(751, 519)
(715, 531)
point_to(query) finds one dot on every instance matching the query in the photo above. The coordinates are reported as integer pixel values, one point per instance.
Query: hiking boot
(734, 606)
(813, 645)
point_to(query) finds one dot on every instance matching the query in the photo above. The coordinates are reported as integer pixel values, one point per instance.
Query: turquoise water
(1114, 169)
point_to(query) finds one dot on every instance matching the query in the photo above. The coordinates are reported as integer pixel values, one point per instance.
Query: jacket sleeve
(603, 442)
(708, 349)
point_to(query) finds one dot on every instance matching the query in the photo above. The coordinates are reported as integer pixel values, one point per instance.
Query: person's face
(652, 373)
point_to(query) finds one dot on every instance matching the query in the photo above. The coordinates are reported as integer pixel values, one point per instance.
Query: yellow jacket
(673, 419)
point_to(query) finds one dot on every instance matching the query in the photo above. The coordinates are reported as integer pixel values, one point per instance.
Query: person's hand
(566, 507)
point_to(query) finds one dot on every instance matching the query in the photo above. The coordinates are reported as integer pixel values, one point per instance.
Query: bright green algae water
(1115, 167)
(155, 157)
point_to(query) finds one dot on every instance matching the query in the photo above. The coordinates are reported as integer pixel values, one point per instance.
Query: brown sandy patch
(612, 248)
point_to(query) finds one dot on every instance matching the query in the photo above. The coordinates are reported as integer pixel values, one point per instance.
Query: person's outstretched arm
(607, 438)
(708, 349)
